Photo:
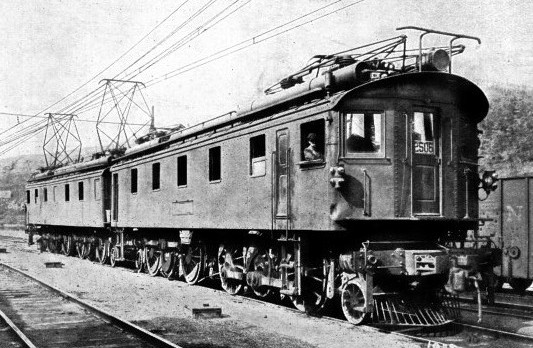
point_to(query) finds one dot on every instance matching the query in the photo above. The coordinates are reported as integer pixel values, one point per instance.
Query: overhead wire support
(124, 107)
(60, 130)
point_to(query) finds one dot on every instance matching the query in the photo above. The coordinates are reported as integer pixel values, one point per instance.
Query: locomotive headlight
(436, 60)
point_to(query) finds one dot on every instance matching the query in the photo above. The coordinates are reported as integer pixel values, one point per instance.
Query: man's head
(311, 137)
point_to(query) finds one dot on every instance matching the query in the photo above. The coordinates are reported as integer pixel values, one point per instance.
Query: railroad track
(456, 335)
(39, 315)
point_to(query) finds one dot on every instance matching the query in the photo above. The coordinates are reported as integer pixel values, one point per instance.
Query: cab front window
(363, 135)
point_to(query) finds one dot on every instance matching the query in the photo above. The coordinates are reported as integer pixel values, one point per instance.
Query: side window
(182, 170)
(80, 191)
(45, 194)
(312, 140)
(363, 134)
(28, 198)
(257, 155)
(214, 164)
(54, 189)
(67, 192)
(36, 195)
(133, 178)
(97, 189)
(156, 176)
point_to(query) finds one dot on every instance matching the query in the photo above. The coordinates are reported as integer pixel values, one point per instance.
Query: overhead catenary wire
(248, 42)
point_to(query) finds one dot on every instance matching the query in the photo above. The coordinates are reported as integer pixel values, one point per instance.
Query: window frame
(36, 195)
(179, 170)
(364, 155)
(134, 184)
(97, 187)
(81, 191)
(212, 162)
(319, 162)
(45, 194)
(67, 192)
(257, 159)
(28, 196)
(158, 166)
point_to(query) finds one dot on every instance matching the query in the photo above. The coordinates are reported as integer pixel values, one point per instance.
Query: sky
(52, 47)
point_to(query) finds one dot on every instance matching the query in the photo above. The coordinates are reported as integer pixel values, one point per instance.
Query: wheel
(262, 265)
(152, 257)
(114, 256)
(67, 247)
(314, 283)
(230, 259)
(100, 251)
(193, 264)
(85, 250)
(53, 246)
(140, 265)
(168, 264)
(520, 285)
(353, 301)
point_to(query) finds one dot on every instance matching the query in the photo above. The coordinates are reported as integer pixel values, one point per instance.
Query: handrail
(431, 31)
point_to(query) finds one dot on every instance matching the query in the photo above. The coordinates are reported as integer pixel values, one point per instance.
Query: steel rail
(122, 323)
(27, 342)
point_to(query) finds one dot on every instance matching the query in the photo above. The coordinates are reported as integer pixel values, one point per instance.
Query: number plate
(424, 147)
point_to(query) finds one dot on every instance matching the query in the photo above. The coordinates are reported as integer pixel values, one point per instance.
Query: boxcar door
(281, 167)
(425, 184)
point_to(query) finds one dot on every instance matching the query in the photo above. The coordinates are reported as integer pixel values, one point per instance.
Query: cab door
(281, 179)
(426, 158)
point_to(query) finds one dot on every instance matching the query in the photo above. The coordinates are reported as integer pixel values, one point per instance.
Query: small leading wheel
(314, 287)
(140, 265)
(168, 264)
(114, 256)
(67, 247)
(193, 264)
(353, 301)
(153, 260)
(101, 253)
(230, 259)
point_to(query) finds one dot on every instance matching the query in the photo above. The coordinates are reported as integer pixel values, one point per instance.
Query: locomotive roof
(469, 97)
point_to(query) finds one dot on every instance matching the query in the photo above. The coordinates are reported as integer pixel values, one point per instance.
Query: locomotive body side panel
(82, 209)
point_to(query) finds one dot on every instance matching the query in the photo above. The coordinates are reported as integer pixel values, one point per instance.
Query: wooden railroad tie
(207, 312)
(53, 264)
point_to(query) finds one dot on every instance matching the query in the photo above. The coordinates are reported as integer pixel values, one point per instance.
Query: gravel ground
(165, 307)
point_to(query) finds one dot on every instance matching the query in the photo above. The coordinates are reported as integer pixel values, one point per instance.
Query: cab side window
(312, 141)
(257, 155)
(363, 135)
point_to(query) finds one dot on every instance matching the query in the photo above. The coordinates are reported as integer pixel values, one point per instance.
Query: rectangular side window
(45, 194)
(182, 170)
(67, 192)
(156, 176)
(312, 141)
(54, 189)
(28, 198)
(363, 134)
(134, 180)
(257, 155)
(80, 191)
(214, 164)
(36, 195)
(97, 190)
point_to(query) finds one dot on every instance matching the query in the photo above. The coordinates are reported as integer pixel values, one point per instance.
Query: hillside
(507, 139)
(14, 172)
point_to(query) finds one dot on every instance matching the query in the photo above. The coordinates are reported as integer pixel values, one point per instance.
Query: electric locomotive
(339, 186)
